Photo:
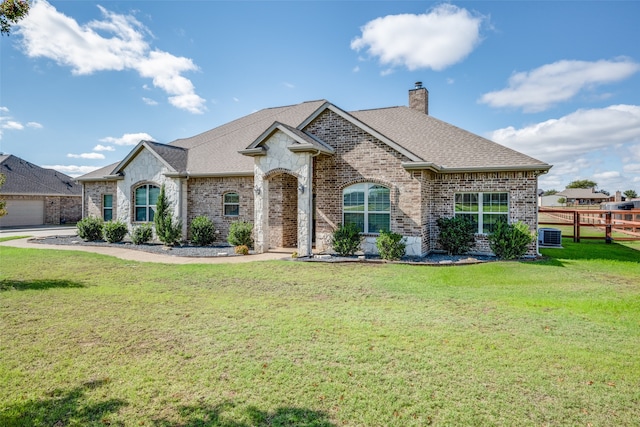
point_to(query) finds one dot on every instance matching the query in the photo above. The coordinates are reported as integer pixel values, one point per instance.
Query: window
(367, 206)
(107, 207)
(146, 199)
(231, 204)
(484, 209)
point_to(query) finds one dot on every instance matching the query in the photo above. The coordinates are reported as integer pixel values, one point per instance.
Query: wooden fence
(625, 224)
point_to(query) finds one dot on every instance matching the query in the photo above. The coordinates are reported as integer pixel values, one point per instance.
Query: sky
(82, 82)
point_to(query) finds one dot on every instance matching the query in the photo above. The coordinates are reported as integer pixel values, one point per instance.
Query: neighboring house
(37, 196)
(553, 200)
(297, 172)
(583, 196)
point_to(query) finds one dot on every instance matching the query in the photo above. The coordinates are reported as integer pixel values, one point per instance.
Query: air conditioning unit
(549, 237)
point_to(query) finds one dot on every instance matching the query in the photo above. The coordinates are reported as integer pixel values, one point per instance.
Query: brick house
(37, 196)
(298, 171)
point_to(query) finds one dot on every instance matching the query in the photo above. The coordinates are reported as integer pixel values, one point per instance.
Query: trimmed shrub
(202, 231)
(457, 234)
(510, 241)
(241, 250)
(90, 228)
(141, 234)
(168, 230)
(114, 231)
(390, 245)
(346, 239)
(240, 233)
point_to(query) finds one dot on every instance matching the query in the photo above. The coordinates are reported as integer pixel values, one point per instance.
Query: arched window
(146, 198)
(367, 205)
(231, 204)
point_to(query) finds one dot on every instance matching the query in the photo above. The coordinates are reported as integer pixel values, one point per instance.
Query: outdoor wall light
(301, 188)
(256, 189)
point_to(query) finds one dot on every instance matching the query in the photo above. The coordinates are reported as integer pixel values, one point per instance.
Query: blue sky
(82, 82)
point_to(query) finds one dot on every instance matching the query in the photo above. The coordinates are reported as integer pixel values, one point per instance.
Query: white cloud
(539, 89)
(34, 125)
(606, 175)
(50, 34)
(12, 125)
(149, 101)
(91, 156)
(288, 85)
(100, 147)
(4, 110)
(576, 134)
(633, 168)
(443, 36)
(72, 170)
(128, 139)
(634, 151)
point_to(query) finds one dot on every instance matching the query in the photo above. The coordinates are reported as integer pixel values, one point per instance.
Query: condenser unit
(549, 237)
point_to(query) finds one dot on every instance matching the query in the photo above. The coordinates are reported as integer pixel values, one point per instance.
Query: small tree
(630, 194)
(168, 230)
(510, 241)
(346, 239)
(11, 11)
(582, 183)
(457, 234)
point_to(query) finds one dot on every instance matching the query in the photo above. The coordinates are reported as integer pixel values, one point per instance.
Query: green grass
(552, 342)
(6, 239)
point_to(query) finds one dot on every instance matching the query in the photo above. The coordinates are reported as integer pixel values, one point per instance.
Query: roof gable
(303, 141)
(174, 158)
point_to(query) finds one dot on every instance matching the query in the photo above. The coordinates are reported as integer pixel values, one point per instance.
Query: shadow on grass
(36, 285)
(61, 408)
(210, 416)
(589, 250)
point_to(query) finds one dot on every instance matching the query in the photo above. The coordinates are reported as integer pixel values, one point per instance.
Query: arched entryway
(283, 211)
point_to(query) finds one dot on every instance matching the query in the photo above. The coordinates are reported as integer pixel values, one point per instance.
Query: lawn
(93, 340)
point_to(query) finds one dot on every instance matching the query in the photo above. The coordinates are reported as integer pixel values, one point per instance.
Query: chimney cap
(418, 85)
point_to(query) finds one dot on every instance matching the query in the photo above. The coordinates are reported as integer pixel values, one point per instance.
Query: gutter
(442, 169)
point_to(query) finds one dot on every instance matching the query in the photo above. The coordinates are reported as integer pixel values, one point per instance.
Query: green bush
(114, 231)
(457, 234)
(141, 234)
(168, 230)
(202, 231)
(240, 233)
(390, 245)
(510, 241)
(90, 228)
(346, 239)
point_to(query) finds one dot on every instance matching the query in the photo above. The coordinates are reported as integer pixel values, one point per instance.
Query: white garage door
(23, 212)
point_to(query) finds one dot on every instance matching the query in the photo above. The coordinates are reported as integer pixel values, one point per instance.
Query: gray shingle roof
(26, 178)
(582, 193)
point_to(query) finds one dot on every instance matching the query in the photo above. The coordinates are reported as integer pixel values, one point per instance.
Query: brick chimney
(419, 98)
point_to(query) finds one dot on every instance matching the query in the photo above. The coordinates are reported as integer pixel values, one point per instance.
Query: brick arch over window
(279, 171)
(144, 197)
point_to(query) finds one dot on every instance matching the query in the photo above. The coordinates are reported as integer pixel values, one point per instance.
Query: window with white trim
(107, 207)
(483, 209)
(231, 204)
(368, 206)
(146, 199)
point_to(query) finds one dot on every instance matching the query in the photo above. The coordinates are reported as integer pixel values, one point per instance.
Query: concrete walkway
(126, 254)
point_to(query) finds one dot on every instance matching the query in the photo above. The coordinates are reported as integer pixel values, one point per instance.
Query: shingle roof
(26, 178)
(582, 193)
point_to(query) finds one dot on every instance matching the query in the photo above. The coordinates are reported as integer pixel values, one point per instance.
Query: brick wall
(205, 196)
(93, 197)
(283, 211)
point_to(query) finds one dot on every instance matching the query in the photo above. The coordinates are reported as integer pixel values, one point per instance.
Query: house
(37, 196)
(583, 196)
(296, 172)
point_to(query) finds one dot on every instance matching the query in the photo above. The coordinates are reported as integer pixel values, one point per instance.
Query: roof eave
(253, 152)
(542, 168)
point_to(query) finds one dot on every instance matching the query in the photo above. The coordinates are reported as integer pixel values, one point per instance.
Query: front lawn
(93, 340)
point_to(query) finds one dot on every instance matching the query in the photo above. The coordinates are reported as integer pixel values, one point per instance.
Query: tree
(630, 194)
(550, 192)
(3, 210)
(11, 11)
(582, 183)
(168, 230)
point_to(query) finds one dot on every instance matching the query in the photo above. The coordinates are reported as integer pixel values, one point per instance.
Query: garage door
(23, 212)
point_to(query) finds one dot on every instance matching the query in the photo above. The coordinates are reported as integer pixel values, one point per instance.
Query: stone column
(261, 212)
(305, 206)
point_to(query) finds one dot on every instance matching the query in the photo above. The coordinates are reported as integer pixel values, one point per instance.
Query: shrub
(346, 239)
(141, 234)
(168, 230)
(202, 231)
(240, 234)
(390, 245)
(510, 241)
(457, 234)
(114, 231)
(90, 228)
(241, 250)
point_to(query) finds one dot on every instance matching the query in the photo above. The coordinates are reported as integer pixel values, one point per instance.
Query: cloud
(34, 125)
(543, 87)
(72, 170)
(92, 156)
(443, 36)
(12, 125)
(7, 122)
(288, 85)
(4, 110)
(103, 148)
(50, 34)
(574, 135)
(606, 175)
(128, 139)
(149, 101)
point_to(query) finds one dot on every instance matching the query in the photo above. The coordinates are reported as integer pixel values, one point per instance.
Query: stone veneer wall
(93, 192)
(360, 157)
(523, 204)
(205, 196)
